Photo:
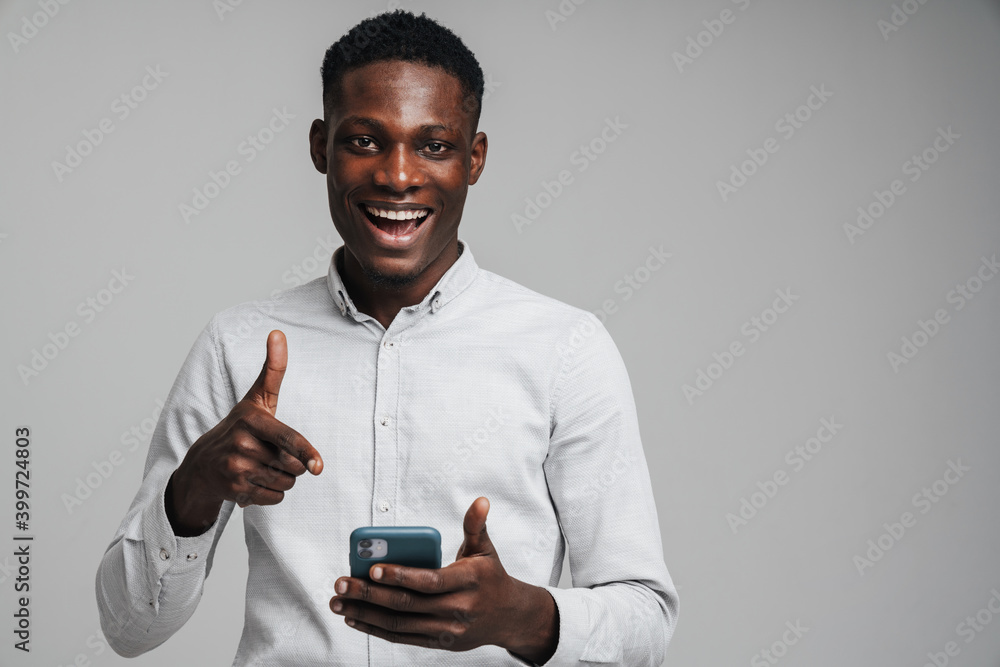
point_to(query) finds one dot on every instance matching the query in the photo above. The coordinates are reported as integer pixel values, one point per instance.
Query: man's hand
(249, 457)
(470, 603)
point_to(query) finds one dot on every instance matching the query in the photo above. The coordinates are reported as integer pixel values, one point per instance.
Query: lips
(395, 224)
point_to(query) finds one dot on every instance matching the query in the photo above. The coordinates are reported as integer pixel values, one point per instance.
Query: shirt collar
(458, 276)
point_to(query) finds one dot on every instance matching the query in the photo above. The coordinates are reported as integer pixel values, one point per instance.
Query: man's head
(399, 146)
(401, 35)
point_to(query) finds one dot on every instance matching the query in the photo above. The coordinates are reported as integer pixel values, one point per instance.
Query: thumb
(265, 389)
(477, 540)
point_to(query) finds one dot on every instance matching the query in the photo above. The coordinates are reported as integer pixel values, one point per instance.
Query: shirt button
(164, 554)
(383, 506)
(389, 344)
(437, 303)
(192, 556)
(385, 421)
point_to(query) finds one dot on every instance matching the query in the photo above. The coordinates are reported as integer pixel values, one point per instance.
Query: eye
(363, 142)
(435, 147)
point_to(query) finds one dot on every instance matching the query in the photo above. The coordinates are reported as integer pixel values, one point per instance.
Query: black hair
(400, 35)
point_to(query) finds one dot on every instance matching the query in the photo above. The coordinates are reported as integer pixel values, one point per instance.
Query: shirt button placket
(383, 499)
(386, 433)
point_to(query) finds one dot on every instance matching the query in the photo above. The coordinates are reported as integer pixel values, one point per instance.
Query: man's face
(399, 154)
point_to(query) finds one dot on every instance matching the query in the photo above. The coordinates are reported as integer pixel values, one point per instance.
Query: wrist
(189, 511)
(536, 635)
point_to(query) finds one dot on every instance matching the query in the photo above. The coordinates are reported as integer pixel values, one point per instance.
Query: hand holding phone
(413, 546)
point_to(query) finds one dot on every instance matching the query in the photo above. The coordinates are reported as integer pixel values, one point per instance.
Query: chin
(381, 278)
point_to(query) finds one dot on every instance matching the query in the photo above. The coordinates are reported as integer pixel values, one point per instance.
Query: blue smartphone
(413, 546)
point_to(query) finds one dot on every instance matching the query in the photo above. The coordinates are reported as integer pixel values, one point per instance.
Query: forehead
(410, 94)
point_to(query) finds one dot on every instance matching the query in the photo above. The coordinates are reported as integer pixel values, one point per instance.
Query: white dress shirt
(484, 388)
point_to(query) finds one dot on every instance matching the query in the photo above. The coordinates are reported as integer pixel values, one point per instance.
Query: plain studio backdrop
(785, 212)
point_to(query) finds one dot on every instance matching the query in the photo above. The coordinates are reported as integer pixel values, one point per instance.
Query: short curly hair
(401, 35)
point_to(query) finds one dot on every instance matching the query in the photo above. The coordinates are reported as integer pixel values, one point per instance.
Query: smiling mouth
(395, 223)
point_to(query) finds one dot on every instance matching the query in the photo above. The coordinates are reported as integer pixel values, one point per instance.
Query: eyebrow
(426, 129)
(365, 122)
(377, 126)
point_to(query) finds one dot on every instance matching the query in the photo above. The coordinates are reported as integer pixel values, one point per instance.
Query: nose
(399, 170)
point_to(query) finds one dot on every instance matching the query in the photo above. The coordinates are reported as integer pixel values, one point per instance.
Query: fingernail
(377, 573)
(337, 605)
(312, 466)
(350, 622)
(341, 587)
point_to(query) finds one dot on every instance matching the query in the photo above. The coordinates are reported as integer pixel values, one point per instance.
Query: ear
(317, 145)
(479, 146)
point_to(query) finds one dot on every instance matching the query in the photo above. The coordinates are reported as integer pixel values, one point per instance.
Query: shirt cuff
(164, 550)
(574, 626)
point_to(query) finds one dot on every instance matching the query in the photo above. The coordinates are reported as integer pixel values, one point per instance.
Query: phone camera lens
(366, 553)
(364, 544)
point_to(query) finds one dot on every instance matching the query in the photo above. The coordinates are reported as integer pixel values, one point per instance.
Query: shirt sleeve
(623, 606)
(150, 581)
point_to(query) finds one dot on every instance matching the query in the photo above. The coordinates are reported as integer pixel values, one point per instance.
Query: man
(413, 387)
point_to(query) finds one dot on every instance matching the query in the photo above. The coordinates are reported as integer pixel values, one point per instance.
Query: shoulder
(527, 318)
(305, 305)
(513, 297)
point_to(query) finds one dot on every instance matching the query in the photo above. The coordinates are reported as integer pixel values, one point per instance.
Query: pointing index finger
(266, 428)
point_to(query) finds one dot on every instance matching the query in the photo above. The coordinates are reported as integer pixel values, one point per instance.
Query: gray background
(556, 83)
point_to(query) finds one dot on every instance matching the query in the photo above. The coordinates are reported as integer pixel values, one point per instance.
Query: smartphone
(413, 546)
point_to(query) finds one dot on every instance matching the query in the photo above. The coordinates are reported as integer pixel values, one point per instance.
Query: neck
(383, 299)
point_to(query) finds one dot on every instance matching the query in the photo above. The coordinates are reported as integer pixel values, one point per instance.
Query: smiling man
(416, 388)
(399, 148)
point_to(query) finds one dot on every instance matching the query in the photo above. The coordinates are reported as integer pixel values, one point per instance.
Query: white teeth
(398, 215)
